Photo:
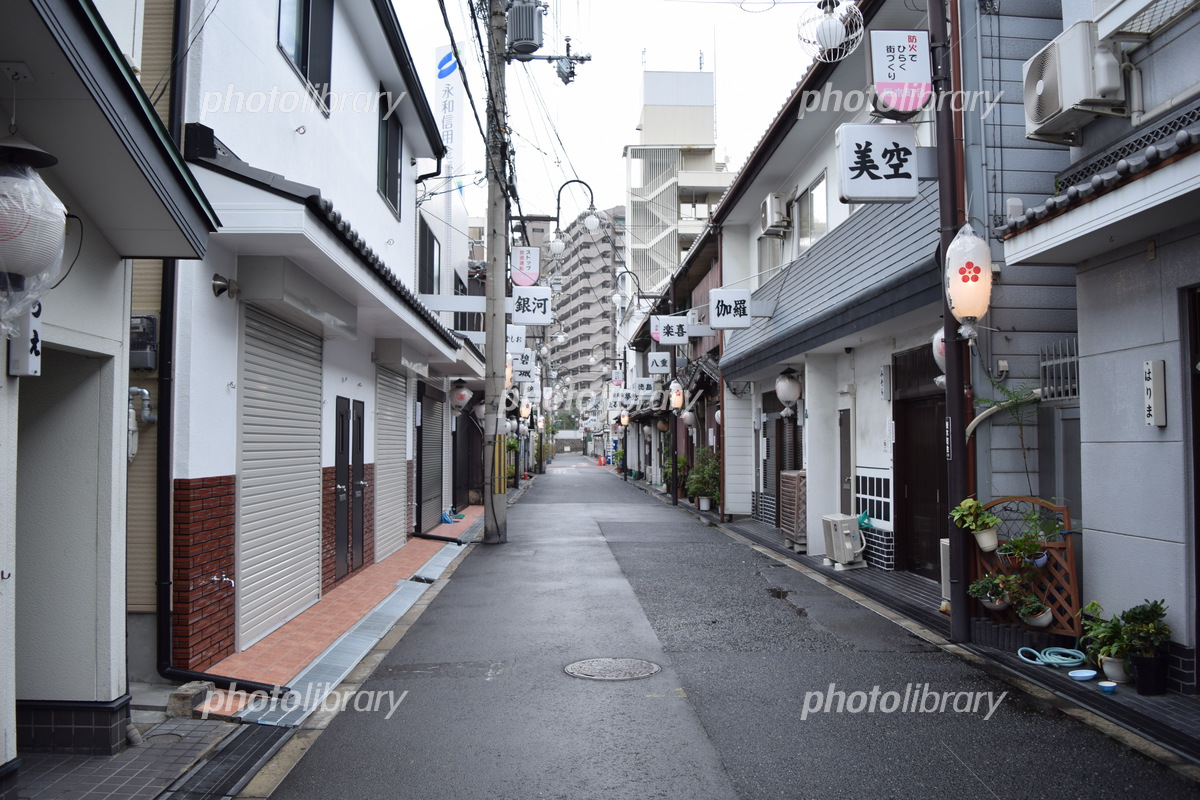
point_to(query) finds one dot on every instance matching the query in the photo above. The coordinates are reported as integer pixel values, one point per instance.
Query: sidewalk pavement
(172, 750)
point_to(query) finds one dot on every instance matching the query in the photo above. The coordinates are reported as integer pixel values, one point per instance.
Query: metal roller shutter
(391, 462)
(432, 462)
(279, 517)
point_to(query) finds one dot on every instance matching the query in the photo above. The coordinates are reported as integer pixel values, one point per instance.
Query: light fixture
(480, 411)
(624, 417)
(557, 245)
(544, 350)
(460, 395)
(689, 418)
(560, 338)
(33, 228)
(222, 285)
(676, 395)
(541, 423)
(591, 221)
(787, 390)
(663, 425)
(556, 285)
(968, 279)
(526, 409)
(508, 371)
(830, 30)
(717, 415)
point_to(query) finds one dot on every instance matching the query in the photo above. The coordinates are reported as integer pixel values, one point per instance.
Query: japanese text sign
(668, 330)
(526, 266)
(900, 69)
(658, 363)
(729, 308)
(876, 164)
(531, 305)
(523, 366)
(514, 339)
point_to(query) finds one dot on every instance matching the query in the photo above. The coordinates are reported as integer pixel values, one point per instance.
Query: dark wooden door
(921, 479)
(358, 487)
(341, 489)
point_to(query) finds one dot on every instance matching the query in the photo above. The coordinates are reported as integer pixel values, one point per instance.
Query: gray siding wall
(1032, 306)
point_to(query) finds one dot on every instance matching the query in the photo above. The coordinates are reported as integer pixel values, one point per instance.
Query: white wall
(347, 372)
(821, 403)
(206, 369)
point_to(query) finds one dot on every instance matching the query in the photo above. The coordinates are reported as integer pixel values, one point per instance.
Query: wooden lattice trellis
(794, 509)
(1056, 583)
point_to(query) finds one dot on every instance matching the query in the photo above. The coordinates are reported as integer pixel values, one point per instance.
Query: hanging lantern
(939, 348)
(460, 395)
(624, 417)
(480, 411)
(787, 387)
(508, 371)
(663, 425)
(32, 235)
(526, 409)
(523, 430)
(689, 418)
(676, 395)
(717, 416)
(509, 426)
(968, 279)
(541, 423)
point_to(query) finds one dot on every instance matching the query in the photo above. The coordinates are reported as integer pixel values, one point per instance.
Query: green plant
(1020, 404)
(1105, 637)
(618, 456)
(1028, 605)
(705, 478)
(675, 467)
(970, 515)
(992, 586)
(511, 444)
(1145, 630)
(1025, 546)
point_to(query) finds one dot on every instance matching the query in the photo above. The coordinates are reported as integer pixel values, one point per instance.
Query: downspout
(437, 170)
(164, 490)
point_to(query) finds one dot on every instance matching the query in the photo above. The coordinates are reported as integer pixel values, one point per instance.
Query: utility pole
(528, 37)
(495, 506)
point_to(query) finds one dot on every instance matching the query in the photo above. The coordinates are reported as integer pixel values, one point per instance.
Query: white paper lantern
(787, 387)
(689, 418)
(32, 235)
(460, 395)
(968, 278)
(938, 342)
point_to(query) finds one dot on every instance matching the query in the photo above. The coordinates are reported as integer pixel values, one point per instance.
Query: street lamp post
(591, 221)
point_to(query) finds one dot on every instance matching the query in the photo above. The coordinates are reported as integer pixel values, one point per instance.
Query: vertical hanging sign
(531, 305)
(25, 348)
(901, 71)
(1152, 380)
(526, 266)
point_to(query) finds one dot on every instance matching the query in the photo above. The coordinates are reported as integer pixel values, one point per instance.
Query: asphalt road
(772, 685)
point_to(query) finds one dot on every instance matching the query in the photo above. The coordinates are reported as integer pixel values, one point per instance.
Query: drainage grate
(229, 769)
(612, 669)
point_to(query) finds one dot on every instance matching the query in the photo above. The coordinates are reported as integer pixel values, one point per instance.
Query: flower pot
(1149, 674)
(1041, 620)
(986, 539)
(995, 604)
(1114, 670)
(1011, 560)
(1038, 559)
(705, 503)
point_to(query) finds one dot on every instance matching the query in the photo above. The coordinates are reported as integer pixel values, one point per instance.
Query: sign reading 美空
(729, 308)
(876, 163)
(668, 330)
(526, 266)
(531, 305)
(901, 72)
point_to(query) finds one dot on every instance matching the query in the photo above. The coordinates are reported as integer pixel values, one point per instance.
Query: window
(306, 38)
(429, 256)
(811, 213)
(391, 151)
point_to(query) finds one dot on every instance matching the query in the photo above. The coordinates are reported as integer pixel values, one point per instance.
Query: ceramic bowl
(1108, 687)
(1082, 674)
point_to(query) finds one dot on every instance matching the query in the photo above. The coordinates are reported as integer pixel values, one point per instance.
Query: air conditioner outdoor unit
(774, 215)
(693, 316)
(844, 543)
(1069, 83)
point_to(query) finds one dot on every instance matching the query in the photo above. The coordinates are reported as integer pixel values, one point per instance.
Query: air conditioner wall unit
(774, 215)
(1069, 83)
(844, 542)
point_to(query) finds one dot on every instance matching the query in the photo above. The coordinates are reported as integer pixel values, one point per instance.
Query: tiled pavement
(170, 748)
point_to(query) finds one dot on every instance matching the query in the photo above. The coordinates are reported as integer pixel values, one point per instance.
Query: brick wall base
(329, 577)
(203, 551)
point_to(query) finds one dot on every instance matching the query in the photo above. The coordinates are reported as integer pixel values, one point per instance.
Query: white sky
(755, 57)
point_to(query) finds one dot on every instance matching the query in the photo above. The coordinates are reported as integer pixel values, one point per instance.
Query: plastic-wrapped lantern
(939, 348)
(460, 395)
(32, 235)
(968, 278)
(676, 395)
(689, 418)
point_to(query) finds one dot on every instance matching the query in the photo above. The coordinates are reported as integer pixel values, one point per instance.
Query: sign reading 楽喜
(900, 70)
(729, 308)
(876, 163)
(668, 330)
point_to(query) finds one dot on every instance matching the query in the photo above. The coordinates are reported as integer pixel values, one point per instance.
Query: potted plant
(1147, 633)
(992, 590)
(970, 515)
(1106, 643)
(1028, 549)
(1032, 610)
(704, 481)
(677, 469)
(619, 459)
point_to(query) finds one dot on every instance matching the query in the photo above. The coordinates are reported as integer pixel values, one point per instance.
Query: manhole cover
(612, 669)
